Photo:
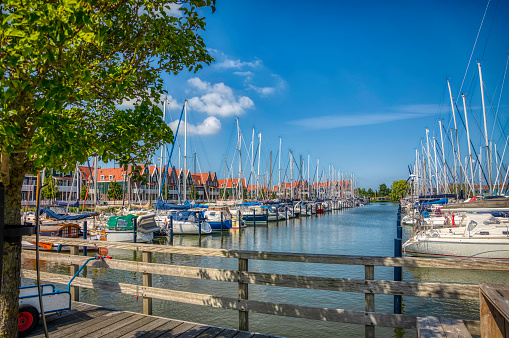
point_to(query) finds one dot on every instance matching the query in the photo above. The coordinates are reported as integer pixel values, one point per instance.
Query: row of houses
(142, 184)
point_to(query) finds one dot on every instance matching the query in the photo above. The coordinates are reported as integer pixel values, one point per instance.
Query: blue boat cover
(161, 205)
(53, 214)
(65, 204)
(440, 201)
(183, 216)
(251, 203)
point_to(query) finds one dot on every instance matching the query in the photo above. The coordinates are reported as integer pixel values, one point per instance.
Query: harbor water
(364, 231)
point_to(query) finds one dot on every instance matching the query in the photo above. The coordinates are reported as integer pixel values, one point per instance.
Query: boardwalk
(85, 320)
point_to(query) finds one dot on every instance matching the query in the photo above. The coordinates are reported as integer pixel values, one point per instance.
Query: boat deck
(85, 320)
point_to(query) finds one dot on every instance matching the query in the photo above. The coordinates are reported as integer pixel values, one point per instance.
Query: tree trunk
(12, 249)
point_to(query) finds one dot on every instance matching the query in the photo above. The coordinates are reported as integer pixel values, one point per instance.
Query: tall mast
(185, 150)
(436, 162)
(252, 160)
(309, 190)
(488, 157)
(239, 184)
(457, 142)
(428, 156)
(96, 169)
(279, 181)
(291, 174)
(469, 145)
(259, 154)
(443, 156)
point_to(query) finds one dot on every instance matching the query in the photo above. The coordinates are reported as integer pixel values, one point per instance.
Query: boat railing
(243, 277)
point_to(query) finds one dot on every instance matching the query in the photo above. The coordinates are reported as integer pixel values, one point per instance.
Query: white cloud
(339, 121)
(218, 99)
(237, 64)
(248, 73)
(263, 91)
(211, 125)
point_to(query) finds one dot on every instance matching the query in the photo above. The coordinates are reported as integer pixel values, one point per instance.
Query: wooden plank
(498, 296)
(170, 324)
(87, 325)
(149, 327)
(194, 331)
(429, 327)
(178, 330)
(227, 333)
(114, 326)
(243, 334)
(211, 332)
(474, 327)
(80, 332)
(416, 289)
(56, 326)
(454, 328)
(417, 262)
(129, 328)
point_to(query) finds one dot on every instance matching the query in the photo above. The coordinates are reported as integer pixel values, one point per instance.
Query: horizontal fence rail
(243, 277)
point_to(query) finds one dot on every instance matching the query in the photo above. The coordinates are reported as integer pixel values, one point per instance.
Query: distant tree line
(397, 191)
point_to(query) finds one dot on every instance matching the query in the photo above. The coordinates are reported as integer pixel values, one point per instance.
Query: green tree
(83, 192)
(115, 191)
(383, 190)
(50, 191)
(68, 68)
(371, 193)
(398, 190)
(192, 194)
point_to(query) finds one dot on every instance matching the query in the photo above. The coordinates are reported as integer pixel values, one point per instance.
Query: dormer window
(111, 177)
(102, 177)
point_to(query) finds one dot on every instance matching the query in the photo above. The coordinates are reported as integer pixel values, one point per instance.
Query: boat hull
(458, 247)
(216, 226)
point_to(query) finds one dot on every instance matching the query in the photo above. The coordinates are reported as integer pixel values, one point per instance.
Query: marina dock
(86, 320)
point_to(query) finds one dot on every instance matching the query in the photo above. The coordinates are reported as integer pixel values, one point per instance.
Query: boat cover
(501, 202)
(440, 201)
(161, 205)
(53, 214)
(69, 204)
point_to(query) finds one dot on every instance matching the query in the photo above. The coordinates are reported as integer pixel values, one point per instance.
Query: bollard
(85, 237)
(221, 222)
(135, 229)
(254, 218)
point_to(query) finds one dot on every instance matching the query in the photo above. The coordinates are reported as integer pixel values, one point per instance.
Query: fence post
(398, 271)
(171, 229)
(369, 300)
(135, 230)
(85, 229)
(75, 290)
(243, 294)
(147, 281)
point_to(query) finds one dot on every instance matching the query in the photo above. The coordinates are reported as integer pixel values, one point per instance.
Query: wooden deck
(85, 320)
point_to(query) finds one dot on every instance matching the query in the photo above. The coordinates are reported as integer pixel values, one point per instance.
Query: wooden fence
(243, 277)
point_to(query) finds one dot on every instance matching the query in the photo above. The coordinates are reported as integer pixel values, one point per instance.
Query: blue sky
(354, 84)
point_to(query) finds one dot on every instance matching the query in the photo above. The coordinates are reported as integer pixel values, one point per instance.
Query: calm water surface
(369, 230)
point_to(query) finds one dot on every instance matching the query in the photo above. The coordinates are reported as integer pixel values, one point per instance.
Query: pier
(244, 304)
(86, 320)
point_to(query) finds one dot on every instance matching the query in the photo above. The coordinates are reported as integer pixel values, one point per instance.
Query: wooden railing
(243, 277)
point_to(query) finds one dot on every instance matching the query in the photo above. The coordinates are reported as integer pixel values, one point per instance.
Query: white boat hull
(493, 248)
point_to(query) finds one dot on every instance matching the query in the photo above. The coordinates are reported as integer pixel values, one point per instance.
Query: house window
(102, 177)
(111, 177)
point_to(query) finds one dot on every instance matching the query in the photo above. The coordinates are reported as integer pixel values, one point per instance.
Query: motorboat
(476, 236)
(184, 223)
